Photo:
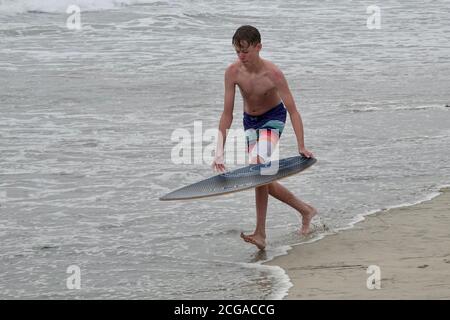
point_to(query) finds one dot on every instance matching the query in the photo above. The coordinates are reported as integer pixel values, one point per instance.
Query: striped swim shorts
(262, 132)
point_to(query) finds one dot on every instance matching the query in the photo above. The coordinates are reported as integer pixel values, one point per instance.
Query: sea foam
(60, 6)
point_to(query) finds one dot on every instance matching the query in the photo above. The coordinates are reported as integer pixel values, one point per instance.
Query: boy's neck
(255, 66)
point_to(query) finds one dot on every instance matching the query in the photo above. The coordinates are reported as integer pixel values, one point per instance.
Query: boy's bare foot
(306, 219)
(257, 240)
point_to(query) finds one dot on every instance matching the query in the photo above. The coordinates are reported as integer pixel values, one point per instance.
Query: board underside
(241, 179)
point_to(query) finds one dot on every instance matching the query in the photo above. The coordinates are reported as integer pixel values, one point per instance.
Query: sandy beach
(410, 245)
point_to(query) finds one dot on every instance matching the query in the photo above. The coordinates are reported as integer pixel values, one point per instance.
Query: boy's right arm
(226, 119)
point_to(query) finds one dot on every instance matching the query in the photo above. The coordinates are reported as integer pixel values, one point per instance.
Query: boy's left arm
(296, 119)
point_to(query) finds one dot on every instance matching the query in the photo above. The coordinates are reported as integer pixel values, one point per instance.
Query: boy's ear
(259, 46)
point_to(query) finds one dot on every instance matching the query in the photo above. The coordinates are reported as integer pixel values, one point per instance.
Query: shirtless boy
(266, 97)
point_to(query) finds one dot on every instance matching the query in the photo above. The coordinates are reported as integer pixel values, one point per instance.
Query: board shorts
(262, 132)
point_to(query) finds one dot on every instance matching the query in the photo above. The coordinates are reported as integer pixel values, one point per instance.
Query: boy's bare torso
(257, 88)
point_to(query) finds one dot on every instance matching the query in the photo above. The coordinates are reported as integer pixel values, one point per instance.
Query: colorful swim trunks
(263, 131)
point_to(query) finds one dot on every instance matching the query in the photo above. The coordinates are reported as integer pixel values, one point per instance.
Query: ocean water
(87, 117)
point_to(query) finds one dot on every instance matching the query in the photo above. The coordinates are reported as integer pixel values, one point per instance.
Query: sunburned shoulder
(233, 70)
(273, 70)
(234, 67)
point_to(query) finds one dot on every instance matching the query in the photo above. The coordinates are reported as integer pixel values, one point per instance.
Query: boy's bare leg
(283, 194)
(258, 238)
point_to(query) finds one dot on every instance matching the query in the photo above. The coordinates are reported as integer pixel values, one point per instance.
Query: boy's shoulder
(233, 67)
(273, 71)
(237, 65)
(271, 66)
(232, 70)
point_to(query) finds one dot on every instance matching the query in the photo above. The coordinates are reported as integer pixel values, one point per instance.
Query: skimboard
(240, 179)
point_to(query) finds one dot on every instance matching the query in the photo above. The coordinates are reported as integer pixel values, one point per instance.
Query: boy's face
(247, 53)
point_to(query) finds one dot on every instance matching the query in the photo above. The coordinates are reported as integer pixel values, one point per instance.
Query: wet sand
(410, 245)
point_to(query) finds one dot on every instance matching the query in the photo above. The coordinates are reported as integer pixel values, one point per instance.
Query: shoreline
(410, 246)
